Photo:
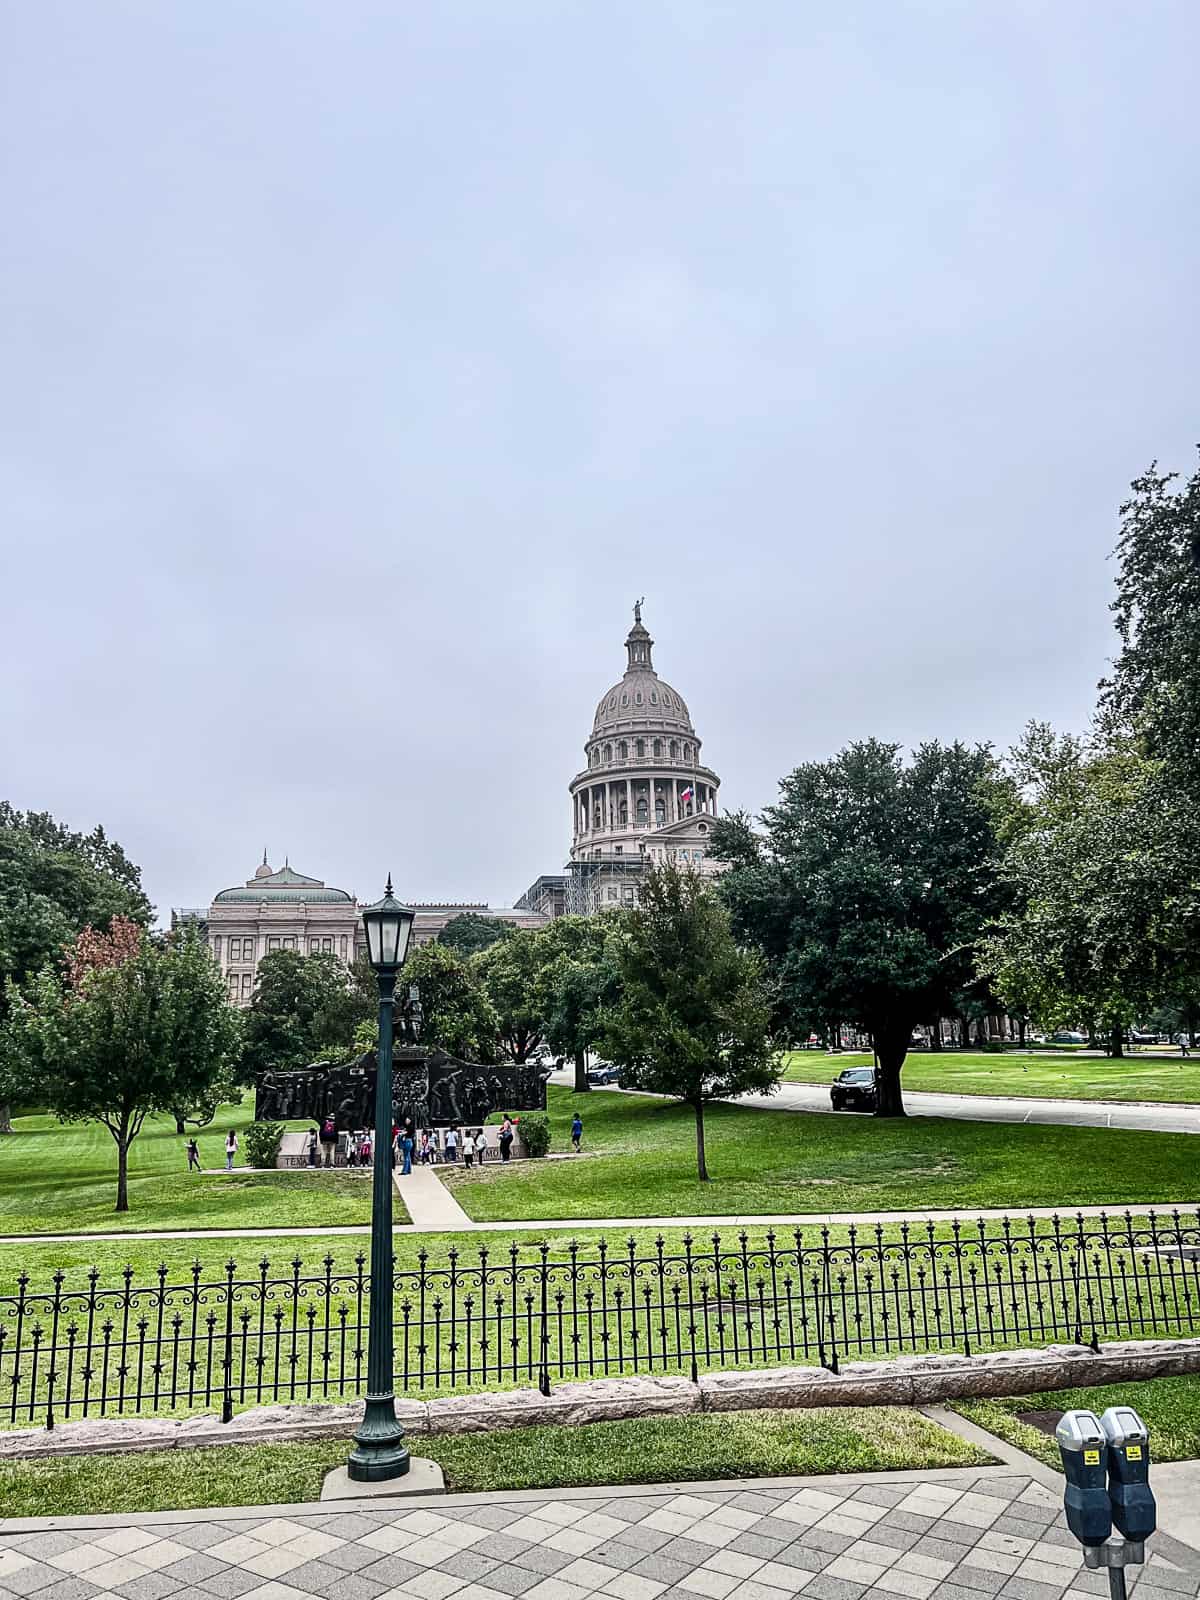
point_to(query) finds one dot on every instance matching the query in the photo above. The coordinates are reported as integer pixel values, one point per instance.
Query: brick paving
(902, 1536)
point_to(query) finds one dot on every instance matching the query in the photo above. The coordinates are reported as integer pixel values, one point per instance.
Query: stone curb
(905, 1381)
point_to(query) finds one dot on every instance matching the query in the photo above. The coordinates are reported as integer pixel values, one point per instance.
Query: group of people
(231, 1150)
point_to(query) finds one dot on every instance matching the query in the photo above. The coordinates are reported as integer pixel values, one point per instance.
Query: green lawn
(1037, 1075)
(1170, 1408)
(654, 1450)
(640, 1161)
(62, 1178)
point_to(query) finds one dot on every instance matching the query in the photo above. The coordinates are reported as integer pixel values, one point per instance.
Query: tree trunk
(701, 1163)
(981, 1037)
(891, 1047)
(122, 1175)
(5, 1117)
(180, 1125)
(581, 1078)
(1021, 1032)
(964, 1033)
(1117, 1042)
(935, 1034)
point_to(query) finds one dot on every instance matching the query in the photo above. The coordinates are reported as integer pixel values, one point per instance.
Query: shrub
(262, 1143)
(535, 1132)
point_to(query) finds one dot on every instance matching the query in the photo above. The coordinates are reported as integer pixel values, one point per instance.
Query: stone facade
(644, 796)
(282, 910)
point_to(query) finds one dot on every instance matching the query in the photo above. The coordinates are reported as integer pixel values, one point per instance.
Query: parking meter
(1084, 1449)
(1133, 1510)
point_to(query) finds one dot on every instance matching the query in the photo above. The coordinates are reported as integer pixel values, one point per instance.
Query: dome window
(657, 748)
(641, 749)
(654, 697)
(623, 750)
(674, 749)
(624, 699)
(612, 702)
(687, 752)
(608, 752)
(638, 698)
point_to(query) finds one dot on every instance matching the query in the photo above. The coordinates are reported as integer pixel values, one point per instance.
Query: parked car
(603, 1073)
(1137, 1037)
(854, 1090)
(1066, 1036)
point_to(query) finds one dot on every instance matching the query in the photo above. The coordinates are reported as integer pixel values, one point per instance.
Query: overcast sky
(362, 361)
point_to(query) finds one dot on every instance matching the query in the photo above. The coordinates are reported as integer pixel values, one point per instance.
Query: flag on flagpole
(686, 796)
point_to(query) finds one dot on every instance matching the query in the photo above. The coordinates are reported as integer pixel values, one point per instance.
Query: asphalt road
(988, 1108)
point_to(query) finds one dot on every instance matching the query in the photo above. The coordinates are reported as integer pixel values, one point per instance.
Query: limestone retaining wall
(908, 1380)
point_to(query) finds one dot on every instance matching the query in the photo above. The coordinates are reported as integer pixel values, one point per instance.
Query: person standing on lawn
(577, 1132)
(480, 1146)
(328, 1141)
(506, 1138)
(468, 1149)
(451, 1144)
(193, 1153)
(231, 1145)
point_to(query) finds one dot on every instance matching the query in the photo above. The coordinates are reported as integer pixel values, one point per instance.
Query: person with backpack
(231, 1146)
(328, 1141)
(577, 1132)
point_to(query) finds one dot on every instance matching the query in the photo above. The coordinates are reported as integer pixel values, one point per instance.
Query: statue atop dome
(637, 609)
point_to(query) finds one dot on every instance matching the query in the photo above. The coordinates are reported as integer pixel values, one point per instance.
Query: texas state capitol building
(643, 797)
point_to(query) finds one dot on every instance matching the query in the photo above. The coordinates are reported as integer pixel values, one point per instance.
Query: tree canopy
(304, 1009)
(691, 1013)
(144, 1034)
(455, 1010)
(470, 932)
(869, 889)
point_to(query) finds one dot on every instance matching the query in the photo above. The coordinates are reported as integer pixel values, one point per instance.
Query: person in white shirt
(480, 1146)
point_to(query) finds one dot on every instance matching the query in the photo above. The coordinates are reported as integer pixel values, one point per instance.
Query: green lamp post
(379, 1450)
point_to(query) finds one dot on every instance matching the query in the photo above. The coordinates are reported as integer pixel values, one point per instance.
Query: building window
(623, 750)
(273, 943)
(595, 761)
(674, 749)
(618, 849)
(623, 811)
(642, 808)
(612, 894)
(343, 947)
(657, 748)
(653, 697)
(608, 752)
(327, 946)
(313, 946)
(289, 942)
(247, 985)
(638, 698)
(641, 748)
(687, 752)
(216, 947)
(660, 812)
(234, 985)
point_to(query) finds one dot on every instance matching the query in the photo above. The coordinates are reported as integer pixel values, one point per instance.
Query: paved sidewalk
(430, 1204)
(882, 1536)
(451, 1218)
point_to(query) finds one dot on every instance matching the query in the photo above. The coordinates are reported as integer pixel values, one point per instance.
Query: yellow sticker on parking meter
(1134, 1452)
(1091, 1458)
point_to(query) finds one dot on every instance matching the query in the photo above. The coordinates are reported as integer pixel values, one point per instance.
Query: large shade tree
(577, 979)
(868, 888)
(115, 1043)
(691, 1014)
(510, 971)
(54, 883)
(470, 932)
(304, 1009)
(455, 1010)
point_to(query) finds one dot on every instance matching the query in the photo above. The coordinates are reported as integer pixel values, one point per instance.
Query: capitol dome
(644, 786)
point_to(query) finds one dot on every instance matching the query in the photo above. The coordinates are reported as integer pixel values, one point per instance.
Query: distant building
(432, 917)
(644, 796)
(281, 910)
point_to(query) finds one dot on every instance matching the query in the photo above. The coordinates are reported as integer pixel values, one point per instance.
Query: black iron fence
(483, 1318)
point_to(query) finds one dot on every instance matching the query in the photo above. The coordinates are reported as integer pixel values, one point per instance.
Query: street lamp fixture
(379, 1450)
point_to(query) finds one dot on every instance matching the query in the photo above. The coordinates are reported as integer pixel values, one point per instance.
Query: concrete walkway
(949, 1535)
(446, 1215)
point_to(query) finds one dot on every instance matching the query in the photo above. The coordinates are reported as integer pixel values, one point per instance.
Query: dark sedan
(853, 1090)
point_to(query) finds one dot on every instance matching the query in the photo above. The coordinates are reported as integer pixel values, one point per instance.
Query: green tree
(510, 972)
(455, 1010)
(693, 1016)
(150, 1033)
(869, 890)
(1102, 898)
(469, 932)
(304, 1009)
(53, 884)
(577, 979)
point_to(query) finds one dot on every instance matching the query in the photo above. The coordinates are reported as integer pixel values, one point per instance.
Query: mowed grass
(653, 1450)
(1170, 1408)
(62, 1178)
(1037, 1075)
(640, 1161)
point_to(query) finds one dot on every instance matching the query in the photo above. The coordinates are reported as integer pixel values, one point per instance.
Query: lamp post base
(379, 1450)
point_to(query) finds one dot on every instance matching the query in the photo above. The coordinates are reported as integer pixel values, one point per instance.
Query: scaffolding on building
(589, 880)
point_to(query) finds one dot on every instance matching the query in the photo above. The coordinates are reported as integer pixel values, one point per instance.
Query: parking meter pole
(1116, 1583)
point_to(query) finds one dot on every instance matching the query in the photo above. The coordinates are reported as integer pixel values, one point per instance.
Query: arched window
(687, 752)
(595, 758)
(596, 814)
(660, 810)
(623, 750)
(642, 809)
(641, 748)
(608, 752)
(674, 749)
(623, 811)
(657, 748)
